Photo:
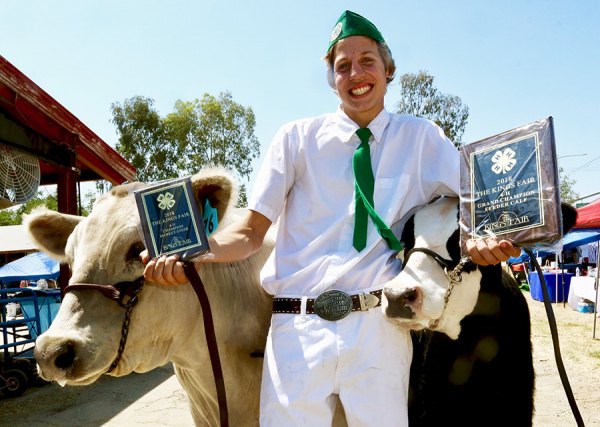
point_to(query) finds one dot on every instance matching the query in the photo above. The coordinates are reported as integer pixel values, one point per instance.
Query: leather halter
(123, 293)
(452, 269)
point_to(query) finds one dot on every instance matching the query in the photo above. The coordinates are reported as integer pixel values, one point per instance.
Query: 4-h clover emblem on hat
(336, 31)
(352, 24)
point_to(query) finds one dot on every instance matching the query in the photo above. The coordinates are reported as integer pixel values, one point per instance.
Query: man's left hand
(491, 251)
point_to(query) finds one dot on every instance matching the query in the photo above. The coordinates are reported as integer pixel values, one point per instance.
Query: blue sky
(511, 62)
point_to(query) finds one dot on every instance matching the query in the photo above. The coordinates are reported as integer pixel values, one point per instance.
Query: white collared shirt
(306, 184)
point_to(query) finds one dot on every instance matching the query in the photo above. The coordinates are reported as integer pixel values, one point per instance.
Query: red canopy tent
(588, 216)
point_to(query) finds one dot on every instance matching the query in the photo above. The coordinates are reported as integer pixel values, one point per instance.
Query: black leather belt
(330, 305)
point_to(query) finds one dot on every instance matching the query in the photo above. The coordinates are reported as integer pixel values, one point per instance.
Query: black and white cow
(472, 363)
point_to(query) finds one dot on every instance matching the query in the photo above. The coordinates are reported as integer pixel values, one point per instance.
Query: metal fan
(19, 176)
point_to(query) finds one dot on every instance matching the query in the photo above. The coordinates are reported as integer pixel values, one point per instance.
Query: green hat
(352, 24)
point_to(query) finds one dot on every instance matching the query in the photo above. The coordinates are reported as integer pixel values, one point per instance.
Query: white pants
(363, 358)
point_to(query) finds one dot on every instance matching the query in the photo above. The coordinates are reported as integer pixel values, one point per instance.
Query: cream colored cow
(166, 324)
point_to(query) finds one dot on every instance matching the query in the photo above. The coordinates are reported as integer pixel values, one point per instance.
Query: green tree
(198, 133)
(8, 217)
(14, 216)
(421, 98)
(567, 193)
(214, 131)
(141, 139)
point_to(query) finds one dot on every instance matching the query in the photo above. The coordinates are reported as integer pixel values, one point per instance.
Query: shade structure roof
(14, 239)
(33, 121)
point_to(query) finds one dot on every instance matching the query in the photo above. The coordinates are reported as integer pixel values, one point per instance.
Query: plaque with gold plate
(509, 187)
(170, 219)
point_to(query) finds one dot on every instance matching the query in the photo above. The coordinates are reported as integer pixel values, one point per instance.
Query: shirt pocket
(389, 193)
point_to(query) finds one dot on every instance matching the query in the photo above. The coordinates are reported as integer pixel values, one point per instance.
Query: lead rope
(211, 340)
(553, 331)
(125, 328)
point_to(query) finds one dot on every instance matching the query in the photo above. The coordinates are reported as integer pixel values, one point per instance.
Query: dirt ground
(156, 399)
(581, 357)
(151, 399)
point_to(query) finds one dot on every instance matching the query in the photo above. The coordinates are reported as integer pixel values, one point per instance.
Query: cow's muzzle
(123, 293)
(399, 305)
(403, 304)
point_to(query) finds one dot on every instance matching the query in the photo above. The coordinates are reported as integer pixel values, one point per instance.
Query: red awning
(55, 135)
(588, 216)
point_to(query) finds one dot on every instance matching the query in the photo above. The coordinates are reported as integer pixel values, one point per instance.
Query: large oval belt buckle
(333, 305)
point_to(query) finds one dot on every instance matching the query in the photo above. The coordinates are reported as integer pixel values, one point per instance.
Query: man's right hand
(164, 270)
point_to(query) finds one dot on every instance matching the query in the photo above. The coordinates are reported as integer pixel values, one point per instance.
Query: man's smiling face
(360, 78)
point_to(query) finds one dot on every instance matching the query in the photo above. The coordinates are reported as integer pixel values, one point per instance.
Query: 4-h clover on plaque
(509, 187)
(170, 219)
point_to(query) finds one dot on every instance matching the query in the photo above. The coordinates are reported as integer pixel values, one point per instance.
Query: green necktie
(364, 185)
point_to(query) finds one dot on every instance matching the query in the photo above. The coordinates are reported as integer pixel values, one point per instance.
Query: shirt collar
(347, 127)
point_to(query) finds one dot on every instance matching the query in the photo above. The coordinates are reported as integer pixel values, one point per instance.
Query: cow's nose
(403, 304)
(64, 360)
(54, 357)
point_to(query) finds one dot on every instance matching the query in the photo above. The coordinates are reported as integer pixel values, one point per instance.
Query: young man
(326, 252)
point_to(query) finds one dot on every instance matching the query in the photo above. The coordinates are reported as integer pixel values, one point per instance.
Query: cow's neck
(241, 313)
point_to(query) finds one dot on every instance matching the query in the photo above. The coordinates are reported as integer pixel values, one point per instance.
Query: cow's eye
(133, 254)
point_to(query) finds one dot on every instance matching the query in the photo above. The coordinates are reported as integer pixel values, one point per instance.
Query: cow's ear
(569, 216)
(50, 230)
(217, 186)
(408, 234)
